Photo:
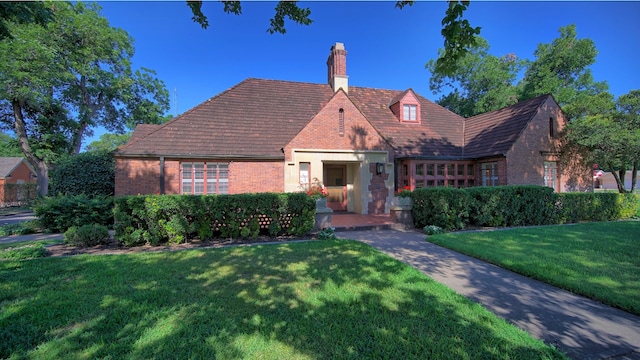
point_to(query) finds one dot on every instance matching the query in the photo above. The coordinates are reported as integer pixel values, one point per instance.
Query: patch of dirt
(116, 248)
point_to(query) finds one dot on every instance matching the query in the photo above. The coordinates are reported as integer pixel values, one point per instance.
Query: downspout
(162, 175)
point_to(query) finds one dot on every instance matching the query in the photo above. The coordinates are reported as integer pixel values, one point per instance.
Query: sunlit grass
(313, 300)
(597, 260)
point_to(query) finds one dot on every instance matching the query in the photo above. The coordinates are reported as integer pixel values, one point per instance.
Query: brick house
(361, 143)
(16, 171)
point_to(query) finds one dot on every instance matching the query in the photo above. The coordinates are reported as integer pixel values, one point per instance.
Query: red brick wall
(137, 176)
(525, 162)
(21, 172)
(322, 132)
(379, 191)
(142, 176)
(255, 176)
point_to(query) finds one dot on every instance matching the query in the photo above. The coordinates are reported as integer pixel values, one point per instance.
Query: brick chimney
(337, 67)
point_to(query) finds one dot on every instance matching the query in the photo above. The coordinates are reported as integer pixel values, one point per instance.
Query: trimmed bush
(59, 213)
(91, 173)
(156, 219)
(575, 207)
(444, 207)
(512, 205)
(507, 206)
(87, 235)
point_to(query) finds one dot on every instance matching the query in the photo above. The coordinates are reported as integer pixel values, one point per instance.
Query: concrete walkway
(584, 329)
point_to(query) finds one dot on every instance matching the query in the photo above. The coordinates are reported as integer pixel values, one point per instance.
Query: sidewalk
(584, 329)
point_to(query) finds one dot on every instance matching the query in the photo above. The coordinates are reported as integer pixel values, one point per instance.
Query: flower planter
(401, 211)
(402, 201)
(321, 203)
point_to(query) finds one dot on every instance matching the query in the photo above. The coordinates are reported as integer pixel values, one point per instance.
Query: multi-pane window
(440, 169)
(425, 173)
(550, 174)
(410, 112)
(195, 175)
(430, 169)
(490, 174)
(419, 169)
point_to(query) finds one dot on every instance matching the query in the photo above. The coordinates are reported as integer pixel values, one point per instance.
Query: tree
(22, 12)
(9, 146)
(481, 82)
(59, 82)
(561, 68)
(459, 35)
(109, 142)
(611, 136)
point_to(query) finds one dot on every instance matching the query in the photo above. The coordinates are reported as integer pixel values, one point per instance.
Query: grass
(598, 260)
(312, 300)
(5, 246)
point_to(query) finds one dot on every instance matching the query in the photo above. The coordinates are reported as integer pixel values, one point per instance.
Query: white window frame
(550, 177)
(213, 178)
(410, 112)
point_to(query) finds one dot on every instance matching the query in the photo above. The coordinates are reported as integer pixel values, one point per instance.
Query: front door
(335, 181)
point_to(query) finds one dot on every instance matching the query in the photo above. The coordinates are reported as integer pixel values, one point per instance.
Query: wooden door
(335, 181)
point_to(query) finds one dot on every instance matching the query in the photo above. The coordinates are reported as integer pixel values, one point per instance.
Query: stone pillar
(401, 212)
(323, 214)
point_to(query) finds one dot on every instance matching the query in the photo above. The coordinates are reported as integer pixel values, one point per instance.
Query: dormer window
(410, 112)
(406, 107)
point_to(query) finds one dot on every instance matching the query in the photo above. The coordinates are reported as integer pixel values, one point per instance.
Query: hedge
(507, 206)
(157, 219)
(59, 213)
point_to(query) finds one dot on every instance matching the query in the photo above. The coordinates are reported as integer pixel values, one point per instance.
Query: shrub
(433, 230)
(59, 213)
(91, 173)
(576, 207)
(512, 205)
(87, 235)
(444, 207)
(23, 228)
(156, 219)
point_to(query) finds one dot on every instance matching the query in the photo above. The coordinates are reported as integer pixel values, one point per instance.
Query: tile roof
(495, 132)
(439, 134)
(8, 164)
(256, 118)
(253, 119)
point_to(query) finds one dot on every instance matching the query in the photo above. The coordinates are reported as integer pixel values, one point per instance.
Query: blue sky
(386, 47)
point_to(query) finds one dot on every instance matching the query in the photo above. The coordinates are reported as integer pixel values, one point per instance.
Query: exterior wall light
(379, 168)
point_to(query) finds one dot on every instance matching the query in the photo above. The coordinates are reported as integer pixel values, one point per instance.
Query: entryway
(335, 181)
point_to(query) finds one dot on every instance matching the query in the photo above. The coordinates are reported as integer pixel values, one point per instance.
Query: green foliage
(59, 213)
(327, 234)
(512, 205)
(433, 230)
(91, 173)
(23, 252)
(480, 81)
(157, 219)
(22, 228)
(87, 235)
(109, 142)
(19, 194)
(444, 207)
(9, 146)
(575, 207)
(508, 206)
(61, 81)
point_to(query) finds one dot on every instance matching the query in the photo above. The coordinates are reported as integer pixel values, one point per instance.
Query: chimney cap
(338, 46)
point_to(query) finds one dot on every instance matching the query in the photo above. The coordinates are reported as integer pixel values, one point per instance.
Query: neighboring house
(15, 171)
(361, 143)
(605, 181)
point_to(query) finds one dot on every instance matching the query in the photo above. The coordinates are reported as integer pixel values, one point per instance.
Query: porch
(345, 221)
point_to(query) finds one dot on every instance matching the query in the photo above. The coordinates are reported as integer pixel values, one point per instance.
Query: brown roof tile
(495, 132)
(253, 119)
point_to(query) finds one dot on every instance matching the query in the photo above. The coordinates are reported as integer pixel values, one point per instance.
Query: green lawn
(598, 260)
(313, 300)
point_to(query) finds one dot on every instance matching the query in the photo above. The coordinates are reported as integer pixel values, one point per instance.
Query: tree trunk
(41, 166)
(634, 172)
(618, 177)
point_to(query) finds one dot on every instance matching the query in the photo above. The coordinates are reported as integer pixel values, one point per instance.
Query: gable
(339, 125)
(495, 133)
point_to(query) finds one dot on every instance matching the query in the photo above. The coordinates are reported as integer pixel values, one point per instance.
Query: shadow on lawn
(324, 299)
